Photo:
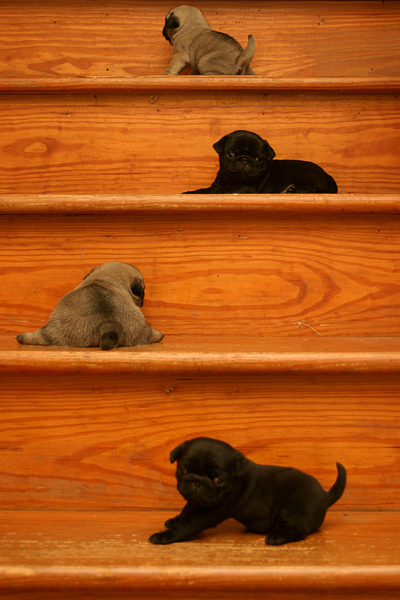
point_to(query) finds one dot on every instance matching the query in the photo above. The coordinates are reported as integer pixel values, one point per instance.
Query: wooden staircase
(280, 313)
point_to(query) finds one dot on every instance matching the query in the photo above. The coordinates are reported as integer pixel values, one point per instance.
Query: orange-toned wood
(124, 38)
(200, 354)
(46, 555)
(294, 204)
(102, 441)
(199, 84)
(220, 273)
(162, 143)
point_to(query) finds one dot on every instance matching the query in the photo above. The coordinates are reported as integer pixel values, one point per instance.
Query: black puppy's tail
(109, 335)
(338, 487)
(244, 59)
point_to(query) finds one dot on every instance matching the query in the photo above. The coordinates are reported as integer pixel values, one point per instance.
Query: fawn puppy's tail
(244, 59)
(109, 335)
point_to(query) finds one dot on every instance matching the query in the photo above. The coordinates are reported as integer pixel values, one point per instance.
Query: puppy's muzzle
(196, 492)
(246, 166)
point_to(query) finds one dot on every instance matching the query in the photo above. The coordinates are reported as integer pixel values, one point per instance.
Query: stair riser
(126, 593)
(127, 40)
(103, 442)
(228, 274)
(105, 143)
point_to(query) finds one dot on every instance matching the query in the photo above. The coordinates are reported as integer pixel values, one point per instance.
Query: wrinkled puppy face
(207, 471)
(171, 23)
(121, 273)
(244, 155)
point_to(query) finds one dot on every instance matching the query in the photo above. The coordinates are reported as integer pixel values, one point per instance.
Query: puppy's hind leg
(156, 336)
(284, 533)
(35, 338)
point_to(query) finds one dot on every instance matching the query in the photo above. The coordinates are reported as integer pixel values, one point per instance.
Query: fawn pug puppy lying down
(247, 167)
(219, 482)
(103, 310)
(208, 52)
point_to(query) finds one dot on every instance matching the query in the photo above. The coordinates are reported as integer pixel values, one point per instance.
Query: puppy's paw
(163, 537)
(276, 538)
(285, 535)
(170, 521)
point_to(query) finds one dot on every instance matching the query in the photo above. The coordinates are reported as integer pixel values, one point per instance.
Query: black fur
(219, 482)
(171, 22)
(247, 167)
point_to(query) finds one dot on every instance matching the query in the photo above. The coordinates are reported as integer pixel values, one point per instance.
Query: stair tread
(199, 84)
(213, 354)
(111, 548)
(333, 38)
(120, 203)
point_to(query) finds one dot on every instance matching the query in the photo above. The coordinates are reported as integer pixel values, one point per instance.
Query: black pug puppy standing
(219, 482)
(247, 167)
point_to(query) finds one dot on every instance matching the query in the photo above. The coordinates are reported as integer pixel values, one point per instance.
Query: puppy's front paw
(169, 522)
(163, 537)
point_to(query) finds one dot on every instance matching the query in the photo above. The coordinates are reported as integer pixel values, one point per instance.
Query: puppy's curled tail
(338, 487)
(244, 59)
(109, 335)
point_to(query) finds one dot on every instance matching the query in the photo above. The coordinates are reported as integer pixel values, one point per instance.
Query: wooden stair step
(314, 354)
(52, 143)
(294, 39)
(292, 204)
(81, 554)
(229, 266)
(200, 84)
(99, 437)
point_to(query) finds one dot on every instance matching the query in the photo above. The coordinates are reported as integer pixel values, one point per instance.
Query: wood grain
(200, 84)
(210, 354)
(122, 143)
(124, 38)
(102, 441)
(48, 555)
(294, 204)
(227, 274)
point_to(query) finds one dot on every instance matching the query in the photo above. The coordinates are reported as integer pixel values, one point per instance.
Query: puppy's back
(217, 53)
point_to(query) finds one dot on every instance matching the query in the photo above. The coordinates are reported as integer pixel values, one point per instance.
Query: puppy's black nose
(196, 485)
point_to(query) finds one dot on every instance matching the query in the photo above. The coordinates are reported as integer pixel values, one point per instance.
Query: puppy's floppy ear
(176, 452)
(269, 152)
(240, 464)
(220, 145)
(171, 22)
(137, 288)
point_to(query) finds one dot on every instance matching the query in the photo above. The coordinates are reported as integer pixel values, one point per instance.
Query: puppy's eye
(257, 159)
(182, 471)
(230, 154)
(219, 481)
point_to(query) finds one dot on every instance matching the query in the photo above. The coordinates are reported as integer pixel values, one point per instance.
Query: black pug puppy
(219, 482)
(247, 167)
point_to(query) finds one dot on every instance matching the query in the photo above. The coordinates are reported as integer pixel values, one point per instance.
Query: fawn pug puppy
(219, 482)
(208, 52)
(247, 167)
(103, 310)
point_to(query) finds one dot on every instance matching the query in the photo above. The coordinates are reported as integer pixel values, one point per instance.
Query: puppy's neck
(223, 184)
(262, 181)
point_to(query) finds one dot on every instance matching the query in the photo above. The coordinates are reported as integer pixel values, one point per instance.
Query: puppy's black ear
(220, 145)
(240, 464)
(176, 452)
(137, 288)
(171, 22)
(269, 152)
